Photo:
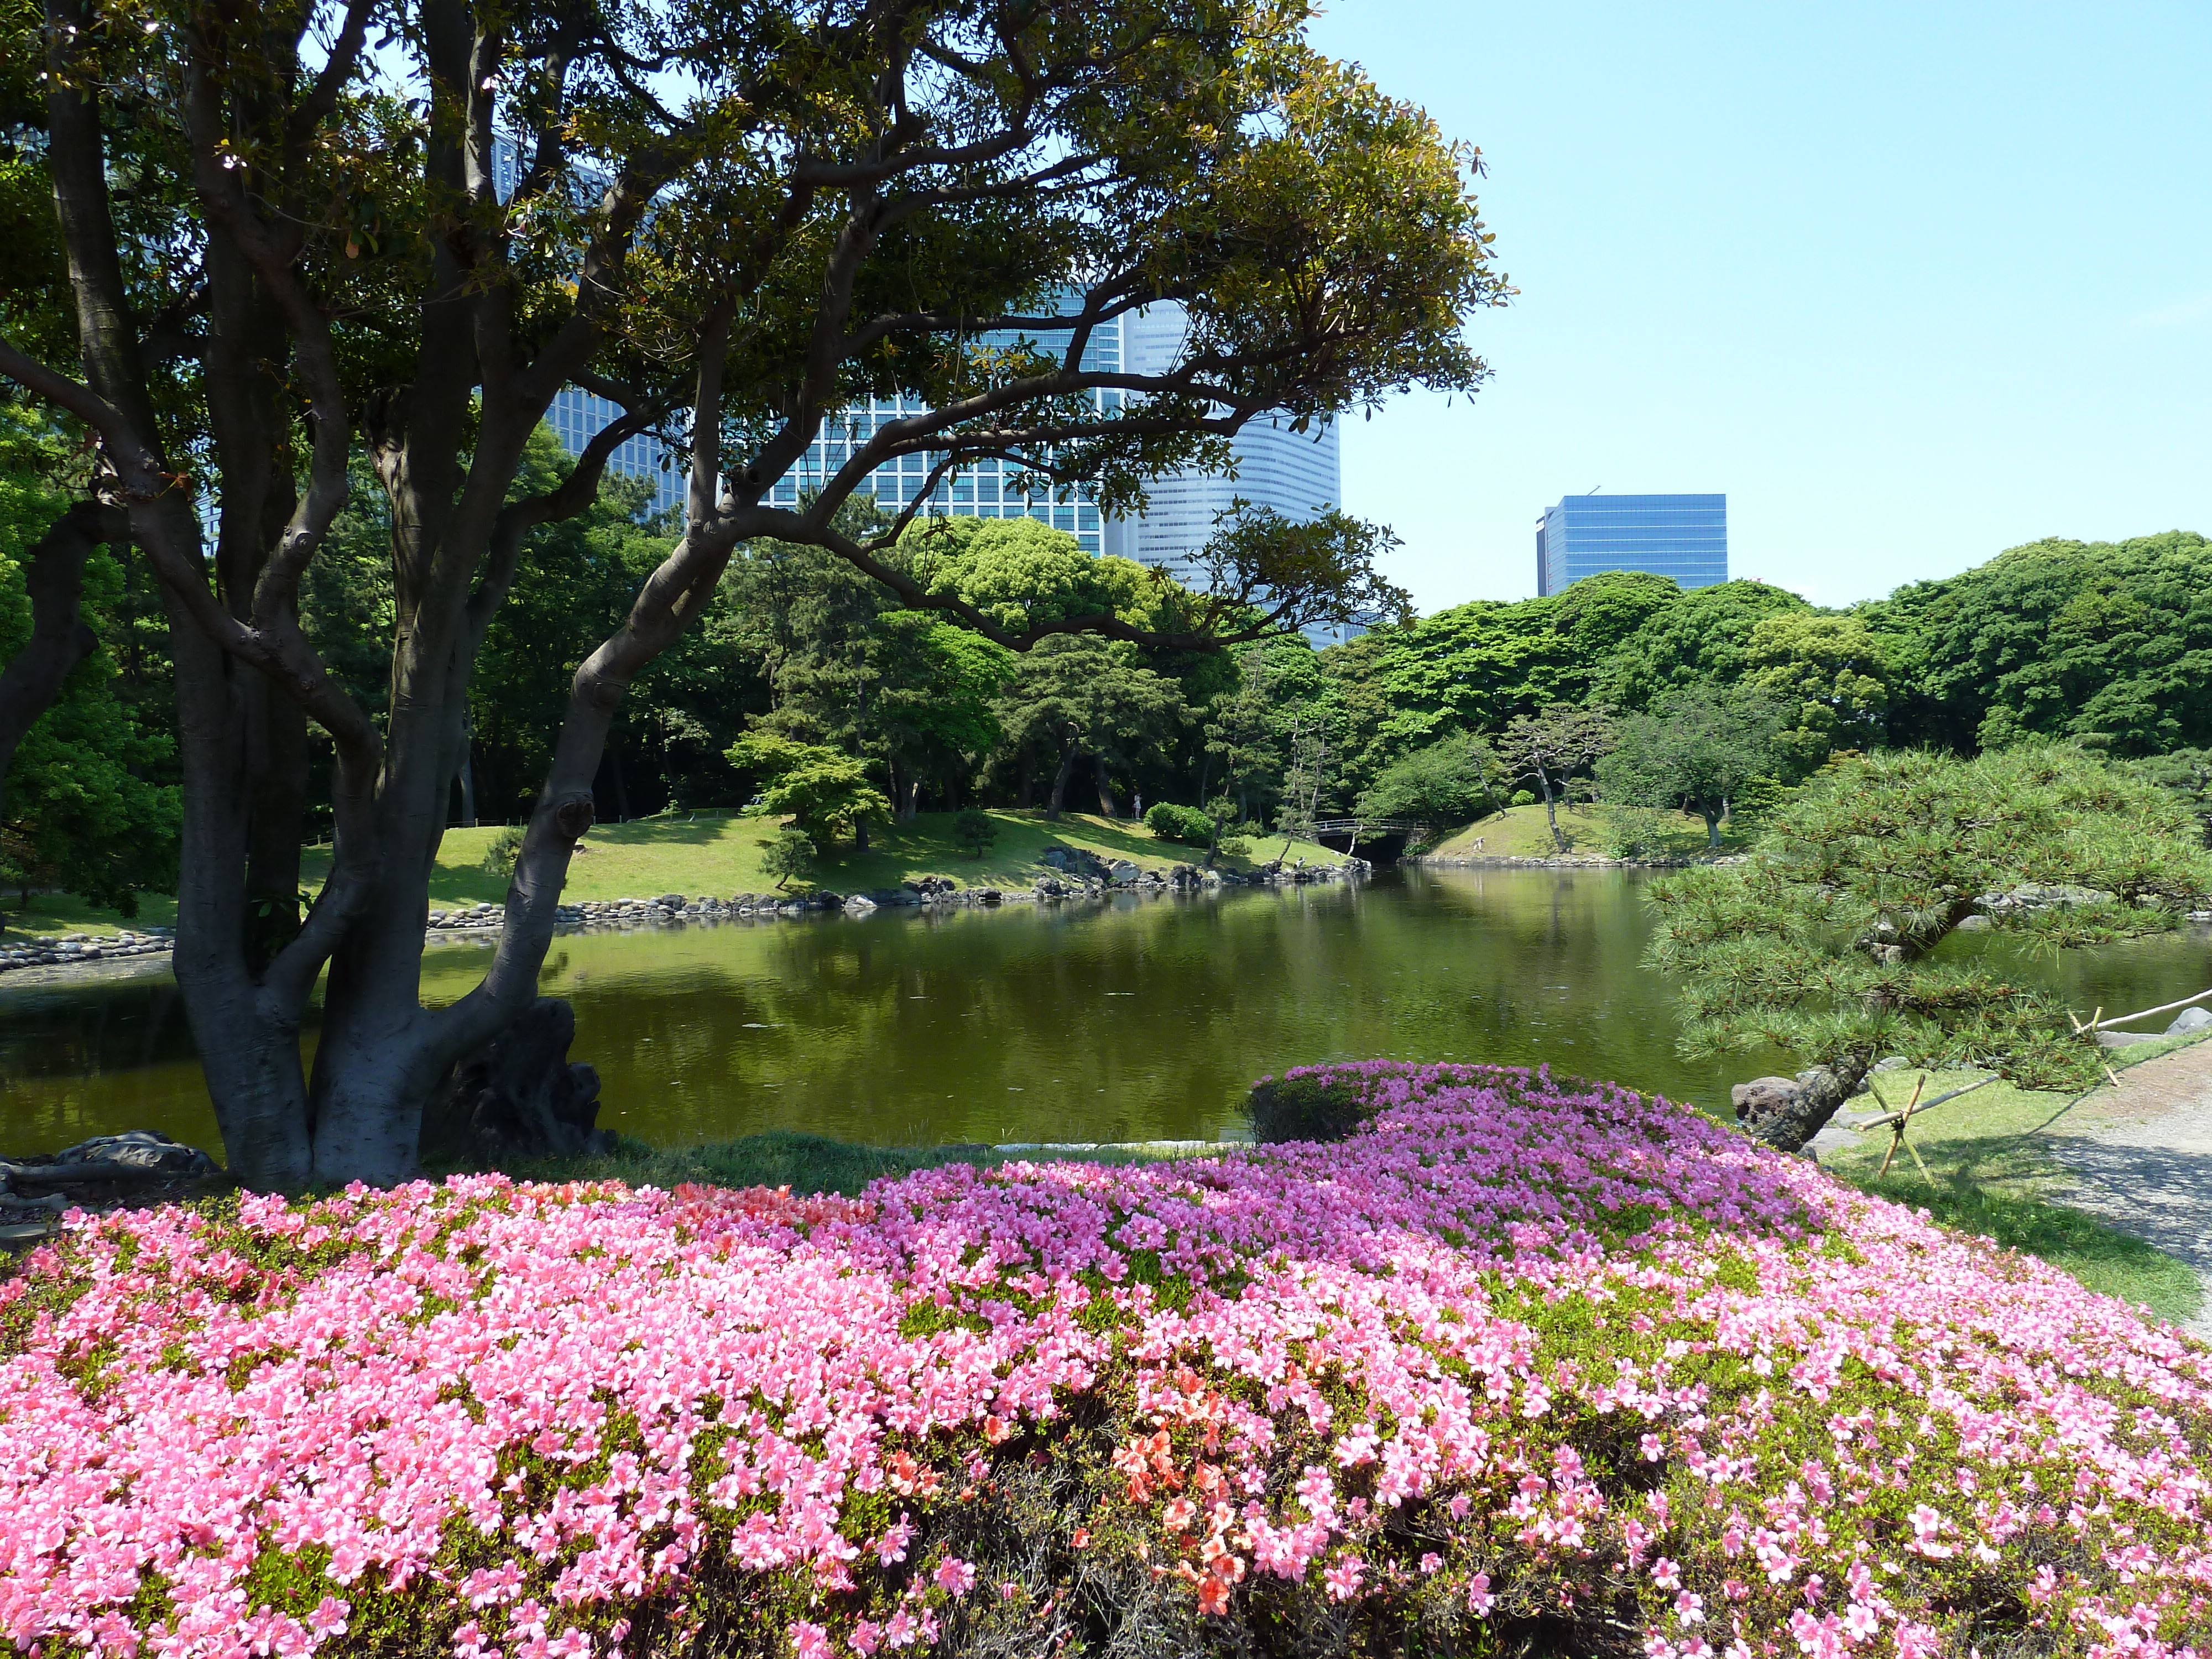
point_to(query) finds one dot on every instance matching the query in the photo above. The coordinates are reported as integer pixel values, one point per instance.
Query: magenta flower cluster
(1521, 1350)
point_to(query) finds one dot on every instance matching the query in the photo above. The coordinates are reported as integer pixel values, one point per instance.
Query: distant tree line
(808, 681)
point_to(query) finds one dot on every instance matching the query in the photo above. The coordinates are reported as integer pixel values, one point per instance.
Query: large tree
(1550, 748)
(1695, 751)
(285, 249)
(1825, 942)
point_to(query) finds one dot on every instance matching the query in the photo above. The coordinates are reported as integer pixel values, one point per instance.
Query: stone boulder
(2190, 1019)
(138, 1158)
(519, 1097)
(1762, 1098)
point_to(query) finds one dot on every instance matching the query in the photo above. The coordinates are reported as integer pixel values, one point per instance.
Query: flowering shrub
(1522, 1364)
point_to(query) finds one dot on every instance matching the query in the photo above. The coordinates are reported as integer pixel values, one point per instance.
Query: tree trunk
(621, 790)
(912, 804)
(1551, 809)
(1051, 806)
(59, 639)
(860, 834)
(1712, 829)
(468, 776)
(1816, 1101)
(1106, 803)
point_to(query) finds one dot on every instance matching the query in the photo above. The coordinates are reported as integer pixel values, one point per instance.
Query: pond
(1143, 1018)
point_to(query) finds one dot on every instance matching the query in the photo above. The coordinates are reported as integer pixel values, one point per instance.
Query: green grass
(1524, 832)
(1989, 1173)
(719, 854)
(63, 913)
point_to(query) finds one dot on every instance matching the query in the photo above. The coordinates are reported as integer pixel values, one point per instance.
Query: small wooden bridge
(1387, 836)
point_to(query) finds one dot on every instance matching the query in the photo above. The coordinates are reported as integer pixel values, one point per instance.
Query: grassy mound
(719, 854)
(1523, 1364)
(1524, 832)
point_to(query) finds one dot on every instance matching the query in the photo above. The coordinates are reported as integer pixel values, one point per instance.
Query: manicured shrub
(1523, 797)
(501, 852)
(788, 858)
(1521, 1366)
(975, 829)
(1185, 824)
(1306, 1104)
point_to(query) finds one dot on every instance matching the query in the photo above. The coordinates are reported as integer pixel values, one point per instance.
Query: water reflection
(1145, 1018)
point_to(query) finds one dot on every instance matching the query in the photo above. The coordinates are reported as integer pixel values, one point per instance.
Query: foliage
(788, 858)
(1306, 1106)
(1825, 941)
(501, 852)
(975, 829)
(1191, 825)
(1073, 694)
(87, 805)
(848, 666)
(1831, 675)
(825, 791)
(1697, 751)
(2186, 775)
(1634, 832)
(1451, 780)
(2108, 642)
(1469, 1372)
(1552, 748)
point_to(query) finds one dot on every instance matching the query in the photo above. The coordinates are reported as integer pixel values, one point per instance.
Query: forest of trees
(1703, 698)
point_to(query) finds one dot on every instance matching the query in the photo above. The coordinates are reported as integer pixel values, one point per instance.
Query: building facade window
(1682, 537)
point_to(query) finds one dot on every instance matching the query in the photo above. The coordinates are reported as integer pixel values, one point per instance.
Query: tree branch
(59, 639)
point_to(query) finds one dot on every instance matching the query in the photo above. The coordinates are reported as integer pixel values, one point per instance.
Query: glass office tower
(1684, 537)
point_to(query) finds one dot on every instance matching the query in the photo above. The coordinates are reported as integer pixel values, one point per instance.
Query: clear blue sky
(1911, 283)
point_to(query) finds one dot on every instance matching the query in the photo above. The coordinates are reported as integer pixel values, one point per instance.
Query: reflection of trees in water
(912, 1025)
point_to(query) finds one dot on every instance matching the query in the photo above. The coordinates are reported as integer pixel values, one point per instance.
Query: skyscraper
(1684, 537)
(1296, 473)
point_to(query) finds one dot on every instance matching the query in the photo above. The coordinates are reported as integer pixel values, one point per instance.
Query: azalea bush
(1523, 1364)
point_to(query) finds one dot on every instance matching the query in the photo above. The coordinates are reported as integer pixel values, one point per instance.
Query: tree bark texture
(1106, 803)
(1819, 1093)
(1065, 771)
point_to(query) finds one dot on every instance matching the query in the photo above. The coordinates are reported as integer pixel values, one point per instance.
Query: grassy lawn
(63, 913)
(719, 854)
(1989, 1173)
(1523, 832)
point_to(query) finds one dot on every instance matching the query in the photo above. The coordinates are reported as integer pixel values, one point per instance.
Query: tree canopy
(297, 241)
(1834, 939)
(1695, 751)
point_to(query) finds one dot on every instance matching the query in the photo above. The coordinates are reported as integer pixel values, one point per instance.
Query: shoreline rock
(67, 949)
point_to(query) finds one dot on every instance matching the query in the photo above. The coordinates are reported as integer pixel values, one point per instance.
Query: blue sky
(1912, 284)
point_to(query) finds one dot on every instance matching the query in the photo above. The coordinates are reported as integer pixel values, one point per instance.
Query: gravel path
(2140, 1155)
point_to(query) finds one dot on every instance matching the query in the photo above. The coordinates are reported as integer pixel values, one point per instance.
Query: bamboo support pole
(2098, 1022)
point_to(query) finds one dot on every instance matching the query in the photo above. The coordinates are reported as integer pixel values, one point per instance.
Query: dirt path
(2140, 1155)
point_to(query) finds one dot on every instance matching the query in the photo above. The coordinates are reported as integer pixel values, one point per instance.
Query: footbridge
(1377, 839)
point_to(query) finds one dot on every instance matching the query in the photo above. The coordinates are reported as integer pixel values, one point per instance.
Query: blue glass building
(1684, 537)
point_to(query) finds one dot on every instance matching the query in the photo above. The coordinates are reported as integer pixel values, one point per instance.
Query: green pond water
(1143, 1018)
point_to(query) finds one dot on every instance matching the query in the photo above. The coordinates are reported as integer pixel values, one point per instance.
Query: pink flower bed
(1553, 1355)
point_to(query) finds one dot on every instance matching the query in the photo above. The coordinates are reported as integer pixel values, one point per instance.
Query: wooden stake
(1897, 1130)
